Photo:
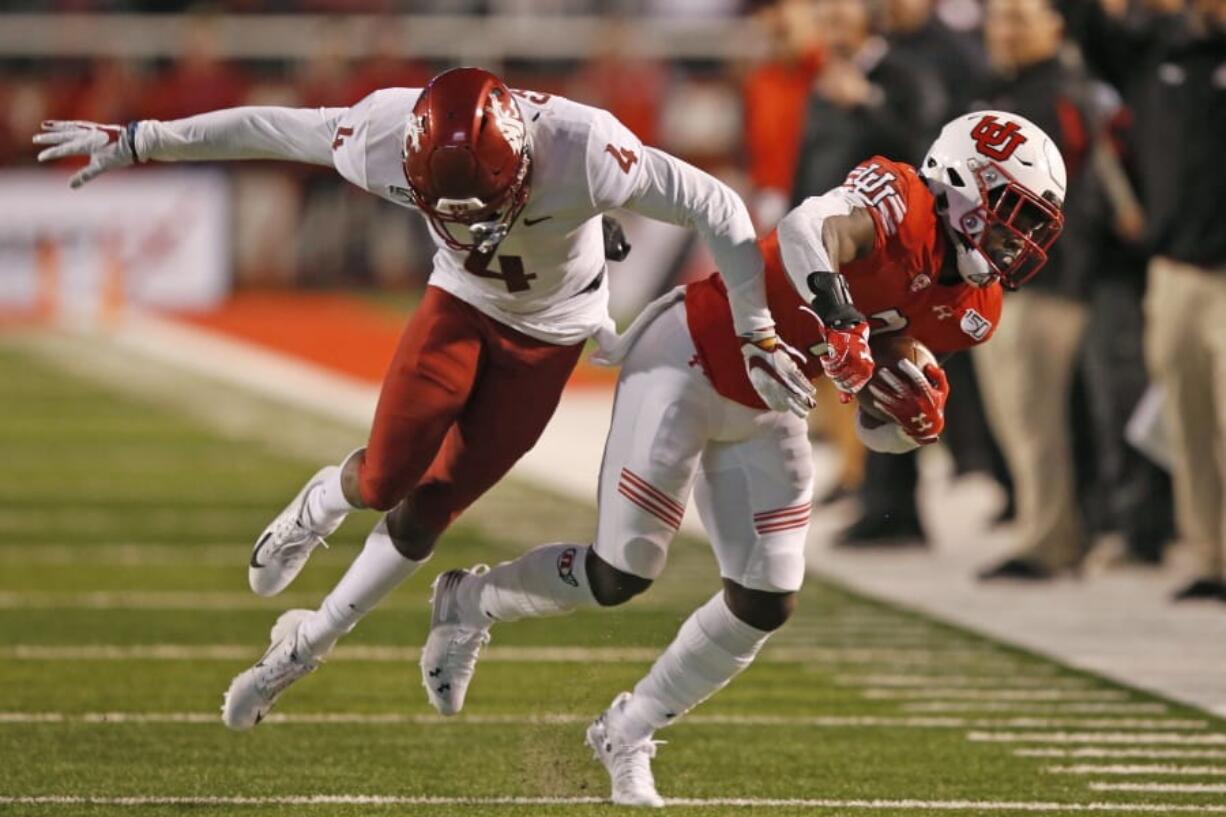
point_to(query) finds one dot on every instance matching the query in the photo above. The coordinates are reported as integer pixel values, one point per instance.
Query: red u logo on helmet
(997, 140)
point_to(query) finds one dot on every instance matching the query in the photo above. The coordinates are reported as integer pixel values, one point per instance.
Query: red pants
(464, 398)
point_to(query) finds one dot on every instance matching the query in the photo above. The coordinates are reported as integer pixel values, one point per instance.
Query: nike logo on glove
(528, 222)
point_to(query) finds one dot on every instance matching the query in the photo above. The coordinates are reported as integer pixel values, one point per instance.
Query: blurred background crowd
(1116, 348)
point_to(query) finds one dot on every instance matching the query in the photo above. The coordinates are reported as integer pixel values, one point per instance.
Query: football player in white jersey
(513, 185)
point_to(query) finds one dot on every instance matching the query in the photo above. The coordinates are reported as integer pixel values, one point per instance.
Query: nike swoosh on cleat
(528, 222)
(255, 562)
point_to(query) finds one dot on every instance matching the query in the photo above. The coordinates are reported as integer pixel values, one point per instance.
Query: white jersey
(547, 279)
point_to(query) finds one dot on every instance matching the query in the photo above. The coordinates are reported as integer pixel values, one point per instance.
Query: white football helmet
(1000, 183)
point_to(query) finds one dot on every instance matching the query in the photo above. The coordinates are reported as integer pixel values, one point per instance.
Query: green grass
(107, 494)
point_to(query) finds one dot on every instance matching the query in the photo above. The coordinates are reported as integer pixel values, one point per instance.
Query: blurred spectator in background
(917, 34)
(199, 80)
(1027, 373)
(631, 88)
(1135, 493)
(1172, 69)
(776, 93)
(866, 101)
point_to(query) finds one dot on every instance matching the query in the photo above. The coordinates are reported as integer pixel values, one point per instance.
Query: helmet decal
(507, 121)
(413, 131)
(997, 140)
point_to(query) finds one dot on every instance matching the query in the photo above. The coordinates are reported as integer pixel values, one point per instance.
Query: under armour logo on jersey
(943, 312)
(997, 140)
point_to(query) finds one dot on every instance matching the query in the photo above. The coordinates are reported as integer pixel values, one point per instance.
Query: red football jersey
(895, 286)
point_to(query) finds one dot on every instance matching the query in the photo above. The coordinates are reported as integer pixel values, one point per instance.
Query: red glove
(846, 360)
(915, 401)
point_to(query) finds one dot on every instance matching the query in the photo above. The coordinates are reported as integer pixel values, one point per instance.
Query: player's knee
(413, 539)
(759, 608)
(380, 492)
(609, 585)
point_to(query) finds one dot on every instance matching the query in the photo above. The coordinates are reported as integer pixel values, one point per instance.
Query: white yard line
(1099, 752)
(1162, 788)
(1137, 738)
(1003, 694)
(375, 653)
(698, 802)
(1138, 769)
(1067, 708)
(396, 654)
(1047, 680)
(816, 721)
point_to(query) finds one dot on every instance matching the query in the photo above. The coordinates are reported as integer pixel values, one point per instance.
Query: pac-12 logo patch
(566, 566)
(975, 325)
(997, 140)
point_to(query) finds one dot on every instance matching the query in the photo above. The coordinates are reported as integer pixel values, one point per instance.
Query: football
(887, 351)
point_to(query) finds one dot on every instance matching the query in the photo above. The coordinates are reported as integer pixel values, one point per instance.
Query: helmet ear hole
(931, 162)
(955, 178)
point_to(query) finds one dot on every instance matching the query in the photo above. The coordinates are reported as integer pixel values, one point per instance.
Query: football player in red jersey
(923, 251)
(513, 184)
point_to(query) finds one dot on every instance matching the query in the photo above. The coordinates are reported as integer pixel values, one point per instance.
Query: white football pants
(754, 488)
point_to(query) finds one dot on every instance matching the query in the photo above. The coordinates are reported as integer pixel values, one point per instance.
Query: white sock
(326, 504)
(377, 571)
(712, 646)
(550, 580)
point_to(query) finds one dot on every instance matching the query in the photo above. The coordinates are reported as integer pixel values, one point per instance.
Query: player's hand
(107, 146)
(846, 359)
(915, 401)
(776, 377)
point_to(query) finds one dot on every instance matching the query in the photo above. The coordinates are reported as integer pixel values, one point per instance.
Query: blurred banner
(151, 238)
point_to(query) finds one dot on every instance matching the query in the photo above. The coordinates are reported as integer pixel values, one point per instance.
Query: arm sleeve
(670, 190)
(887, 438)
(293, 134)
(800, 238)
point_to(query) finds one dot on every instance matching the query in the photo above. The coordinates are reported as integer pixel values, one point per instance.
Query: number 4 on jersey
(510, 271)
(624, 157)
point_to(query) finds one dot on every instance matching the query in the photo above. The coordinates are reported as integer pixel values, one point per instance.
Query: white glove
(776, 377)
(107, 146)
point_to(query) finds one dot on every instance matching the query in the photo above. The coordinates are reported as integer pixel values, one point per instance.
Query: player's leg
(657, 432)
(754, 496)
(425, 388)
(427, 384)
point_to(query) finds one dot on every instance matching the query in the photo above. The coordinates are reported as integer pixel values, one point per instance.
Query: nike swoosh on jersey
(528, 222)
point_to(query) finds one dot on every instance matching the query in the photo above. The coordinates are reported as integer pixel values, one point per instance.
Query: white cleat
(628, 764)
(254, 691)
(285, 545)
(449, 658)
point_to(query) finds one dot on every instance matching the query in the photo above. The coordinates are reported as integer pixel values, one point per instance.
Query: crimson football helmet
(467, 159)
(1000, 185)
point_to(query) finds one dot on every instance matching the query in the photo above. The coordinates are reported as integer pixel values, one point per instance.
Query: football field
(125, 526)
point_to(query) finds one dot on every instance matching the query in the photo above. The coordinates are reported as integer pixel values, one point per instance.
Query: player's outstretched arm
(673, 191)
(257, 132)
(815, 240)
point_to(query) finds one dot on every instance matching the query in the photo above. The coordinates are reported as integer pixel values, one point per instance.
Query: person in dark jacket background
(1028, 373)
(1171, 67)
